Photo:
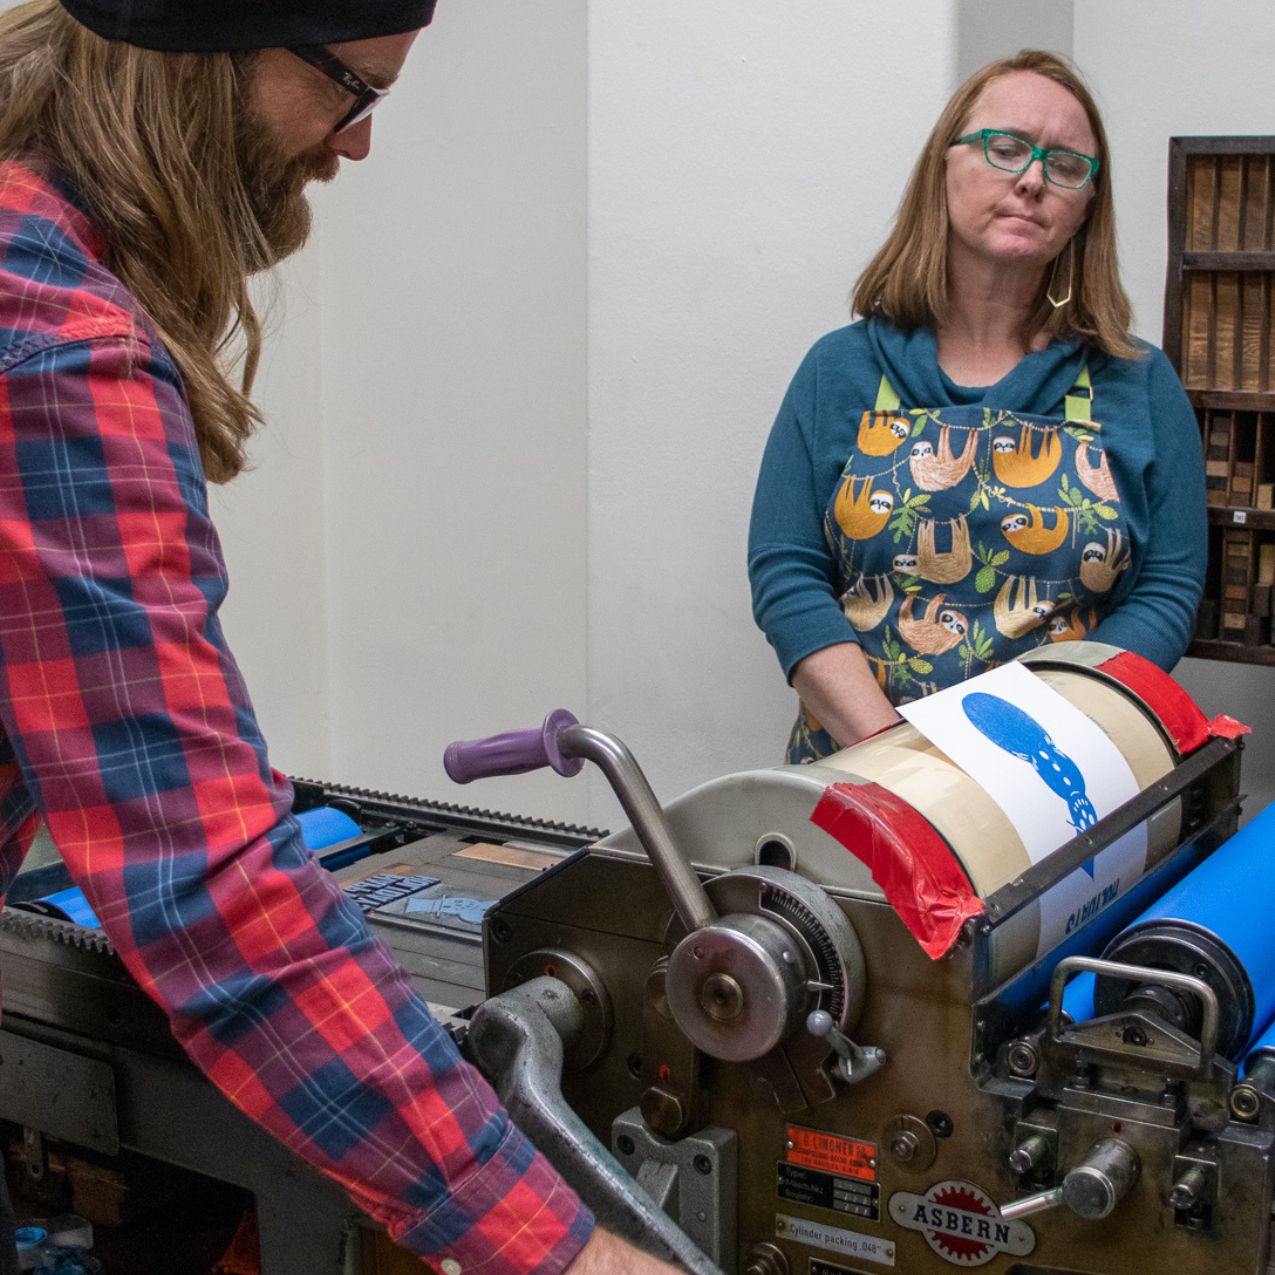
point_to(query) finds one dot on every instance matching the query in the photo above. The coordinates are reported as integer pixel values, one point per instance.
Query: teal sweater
(1149, 432)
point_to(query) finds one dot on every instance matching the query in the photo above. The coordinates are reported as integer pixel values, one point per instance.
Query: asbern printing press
(820, 1020)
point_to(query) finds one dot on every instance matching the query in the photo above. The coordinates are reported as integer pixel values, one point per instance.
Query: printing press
(820, 1020)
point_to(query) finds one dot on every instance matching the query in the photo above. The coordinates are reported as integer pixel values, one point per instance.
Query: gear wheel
(960, 1249)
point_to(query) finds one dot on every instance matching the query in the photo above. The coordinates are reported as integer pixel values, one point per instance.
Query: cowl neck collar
(1036, 384)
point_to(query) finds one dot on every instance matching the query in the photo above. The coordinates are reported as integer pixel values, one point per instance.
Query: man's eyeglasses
(1069, 169)
(366, 98)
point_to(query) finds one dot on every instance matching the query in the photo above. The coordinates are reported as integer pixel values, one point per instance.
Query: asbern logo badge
(961, 1224)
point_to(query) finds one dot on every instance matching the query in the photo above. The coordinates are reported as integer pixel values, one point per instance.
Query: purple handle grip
(513, 753)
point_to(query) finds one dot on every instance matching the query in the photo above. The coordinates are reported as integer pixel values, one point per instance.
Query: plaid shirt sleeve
(130, 732)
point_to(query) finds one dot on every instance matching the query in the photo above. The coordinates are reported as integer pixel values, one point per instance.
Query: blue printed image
(1022, 736)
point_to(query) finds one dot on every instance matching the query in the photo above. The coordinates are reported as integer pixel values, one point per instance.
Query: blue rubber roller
(321, 827)
(325, 826)
(1214, 924)
(1263, 1048)
(1077, 1000)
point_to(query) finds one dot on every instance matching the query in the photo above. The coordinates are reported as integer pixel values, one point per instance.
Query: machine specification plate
(800, 1230)
(827, 1191)
(831, 1153)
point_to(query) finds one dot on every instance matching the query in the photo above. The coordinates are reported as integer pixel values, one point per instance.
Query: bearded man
(153, 155)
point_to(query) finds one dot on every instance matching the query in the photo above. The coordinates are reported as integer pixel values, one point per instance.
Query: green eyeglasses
(1069, 169)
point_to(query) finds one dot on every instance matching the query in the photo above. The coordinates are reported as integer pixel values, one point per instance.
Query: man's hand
(607, 1254)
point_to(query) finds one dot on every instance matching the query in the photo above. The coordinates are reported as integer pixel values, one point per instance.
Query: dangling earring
(1059, 302)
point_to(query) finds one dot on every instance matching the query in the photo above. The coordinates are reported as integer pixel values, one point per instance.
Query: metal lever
(565, 745)
(516, 1039)
(1092, 1189)
(854, 1062)
(1030, 1204)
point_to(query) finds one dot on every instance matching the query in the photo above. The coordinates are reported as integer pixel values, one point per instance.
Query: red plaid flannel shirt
(125, 726)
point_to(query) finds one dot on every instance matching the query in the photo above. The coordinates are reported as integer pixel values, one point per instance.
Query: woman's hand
(837, 687)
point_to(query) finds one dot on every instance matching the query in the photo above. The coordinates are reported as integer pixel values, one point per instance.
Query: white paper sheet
(1054, 773)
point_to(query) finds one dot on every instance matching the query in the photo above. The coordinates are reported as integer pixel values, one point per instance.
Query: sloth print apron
(964, 536)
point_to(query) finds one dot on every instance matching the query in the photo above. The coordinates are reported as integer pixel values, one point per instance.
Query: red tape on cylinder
(913, 865)
(1177, 711)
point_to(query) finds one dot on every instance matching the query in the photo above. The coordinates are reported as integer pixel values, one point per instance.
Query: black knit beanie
(215, 26)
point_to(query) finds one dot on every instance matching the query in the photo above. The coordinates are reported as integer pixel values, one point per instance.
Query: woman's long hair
(907, 281)
(150, 143)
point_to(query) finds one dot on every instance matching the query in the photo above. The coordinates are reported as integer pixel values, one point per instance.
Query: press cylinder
(1215, 925)
(983, 840)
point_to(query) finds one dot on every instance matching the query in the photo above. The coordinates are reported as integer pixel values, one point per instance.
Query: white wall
(271, 523)
(989, 29)
(525, 373)
(1164, 68)
(744, 161)
(454, 389)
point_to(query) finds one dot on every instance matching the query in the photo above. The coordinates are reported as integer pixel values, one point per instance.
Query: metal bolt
(625, 1144)
(1187, 1189)
(1134, 1035)
(904, 1146)
(663, 1111)
(1028, 1154)
(703, 1165)
(721, 998)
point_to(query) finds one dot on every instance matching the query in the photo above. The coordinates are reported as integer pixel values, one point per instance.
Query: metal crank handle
(1090, 1190)
(566, 745)
(1031, 1204)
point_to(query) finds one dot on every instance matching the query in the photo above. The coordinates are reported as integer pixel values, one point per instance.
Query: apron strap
(1078, 405)
(887, 398)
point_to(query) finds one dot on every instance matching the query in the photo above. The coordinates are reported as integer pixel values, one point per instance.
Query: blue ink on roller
(67, 905)
(324, 826)
(1022, 736)
(320, 827)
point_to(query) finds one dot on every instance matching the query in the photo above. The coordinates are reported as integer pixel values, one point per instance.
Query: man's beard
(275, 186)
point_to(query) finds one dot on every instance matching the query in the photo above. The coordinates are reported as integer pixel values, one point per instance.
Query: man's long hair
(149, 141)
(907, 281)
